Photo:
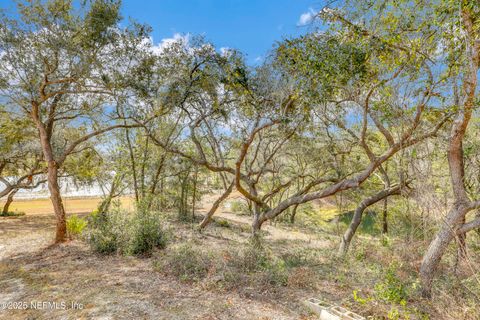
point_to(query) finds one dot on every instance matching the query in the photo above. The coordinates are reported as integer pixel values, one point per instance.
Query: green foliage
(255, 259)
(147, 233)
(392, 288)
(137, 233)
(108, 232)
(230, 268)
(368, 224)
(239, 207)
(86, 166)
(301, 257)
(12, 214)
(323, 62)
(75, 226)
(357, 298)
(188, 263)
(222, 223)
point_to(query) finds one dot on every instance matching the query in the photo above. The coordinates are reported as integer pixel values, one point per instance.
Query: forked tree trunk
(357, 216)
(9, 201)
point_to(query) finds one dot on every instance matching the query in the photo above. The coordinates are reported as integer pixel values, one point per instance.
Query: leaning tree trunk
(438, 246)
(9, 201)
(294, 213)
(132, 164)
(357, 216)
(105, 205)
(462, 204)
(208, 217)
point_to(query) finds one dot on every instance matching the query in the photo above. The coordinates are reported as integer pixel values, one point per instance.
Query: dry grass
(72, 205)
(118, 287)
(112, 287)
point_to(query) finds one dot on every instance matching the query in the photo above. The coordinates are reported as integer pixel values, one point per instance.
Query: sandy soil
(68, 281)
(72, 205)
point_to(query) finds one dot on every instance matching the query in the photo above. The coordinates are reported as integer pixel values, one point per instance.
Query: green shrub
(249, 258)
(228, 269)
(147, 233)
(12, 214)
(123, 232)
(261, 263)
(275, 272)
(108, 232)
(187, 262)
(239, 207)
(391, 289)
(222, 223)
(301, 257)
(75, 226)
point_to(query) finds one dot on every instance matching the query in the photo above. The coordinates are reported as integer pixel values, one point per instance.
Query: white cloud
(225, 51)
(183, 39)
(307, 17)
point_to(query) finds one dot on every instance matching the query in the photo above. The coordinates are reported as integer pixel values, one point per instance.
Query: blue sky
(251, 26)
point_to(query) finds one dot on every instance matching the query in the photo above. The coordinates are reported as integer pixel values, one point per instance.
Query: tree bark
(357, 216)
(194, 196)
(462, 204)
(294, 213)
(56, 198)
(438, 246)
(208, 217)
(52, 176)
(257, 220)
(8, 202)
(132, 164)
(385, 216)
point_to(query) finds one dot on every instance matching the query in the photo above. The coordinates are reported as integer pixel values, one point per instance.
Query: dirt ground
(68, 281)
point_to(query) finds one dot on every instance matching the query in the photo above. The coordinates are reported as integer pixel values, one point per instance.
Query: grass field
(72, 205)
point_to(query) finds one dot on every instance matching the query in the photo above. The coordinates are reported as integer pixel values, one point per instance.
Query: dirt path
(272, 232)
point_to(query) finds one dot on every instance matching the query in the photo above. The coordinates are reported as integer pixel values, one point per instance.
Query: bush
(107, 232)
(123, 232)
(391, 289)
(147, 233)
(301, 257)
(12, 214)
(239, 207)
(227, 269)
(257, 260)
(75, 226)
(222, 223)
(188, 263)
